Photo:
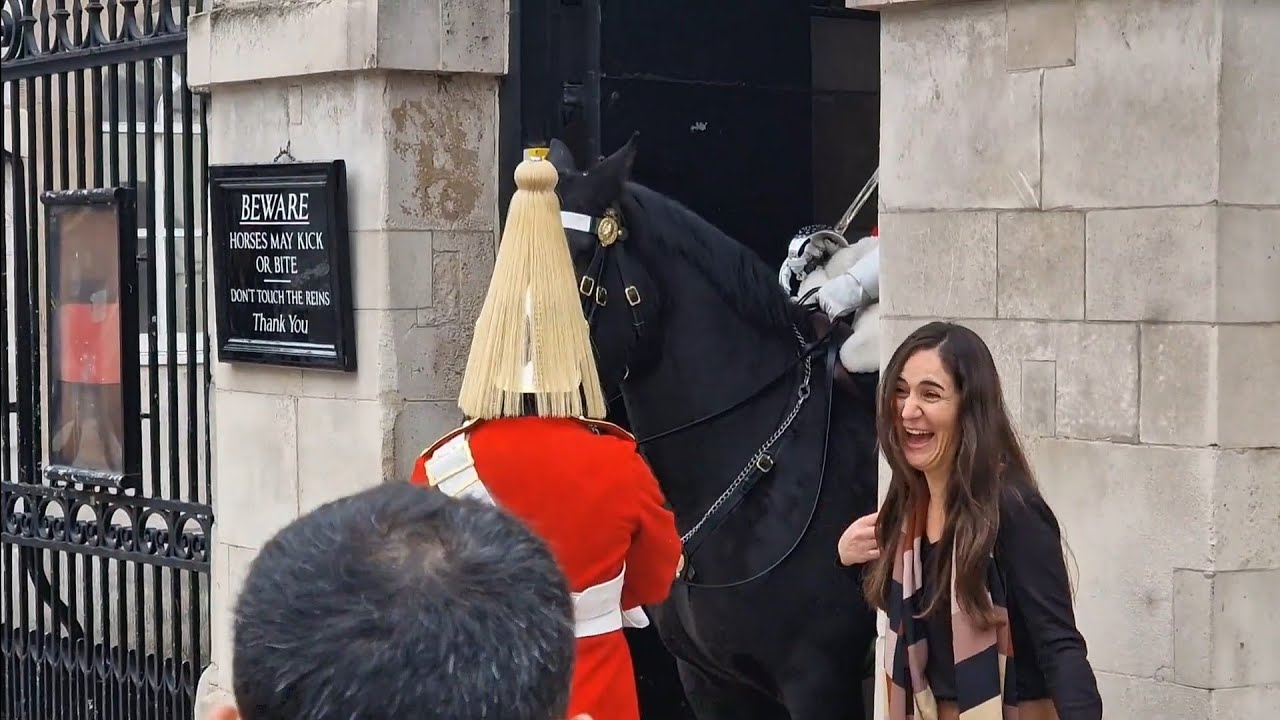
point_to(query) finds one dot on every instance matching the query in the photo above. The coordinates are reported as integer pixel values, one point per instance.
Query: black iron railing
(104, 601)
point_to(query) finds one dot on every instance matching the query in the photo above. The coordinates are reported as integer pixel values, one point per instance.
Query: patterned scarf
(985, 688)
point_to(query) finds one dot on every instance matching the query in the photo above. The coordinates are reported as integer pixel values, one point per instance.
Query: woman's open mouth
(917, 439)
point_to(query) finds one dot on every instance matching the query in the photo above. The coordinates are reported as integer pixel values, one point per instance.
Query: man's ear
(224, 712)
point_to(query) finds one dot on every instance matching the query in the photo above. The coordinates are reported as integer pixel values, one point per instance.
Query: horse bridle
(610, 234)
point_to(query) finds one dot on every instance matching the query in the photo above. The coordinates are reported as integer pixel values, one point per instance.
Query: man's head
(398, 602)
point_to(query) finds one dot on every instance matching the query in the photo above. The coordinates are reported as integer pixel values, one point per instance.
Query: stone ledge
(342, 36)
(894, 4)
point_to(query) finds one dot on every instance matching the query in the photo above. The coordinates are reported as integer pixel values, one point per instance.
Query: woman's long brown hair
(988, 459)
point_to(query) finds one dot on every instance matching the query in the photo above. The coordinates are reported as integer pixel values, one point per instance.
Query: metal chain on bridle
(761, 459)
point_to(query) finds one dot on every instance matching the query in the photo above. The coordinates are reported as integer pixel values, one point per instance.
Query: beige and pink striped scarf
(984, 669)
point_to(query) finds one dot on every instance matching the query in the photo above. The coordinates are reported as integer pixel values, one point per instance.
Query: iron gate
(104, 599)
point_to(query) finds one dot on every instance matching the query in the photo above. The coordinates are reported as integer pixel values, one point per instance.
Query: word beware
(274, 207)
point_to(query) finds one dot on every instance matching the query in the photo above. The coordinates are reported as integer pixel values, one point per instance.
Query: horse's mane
(737, 274)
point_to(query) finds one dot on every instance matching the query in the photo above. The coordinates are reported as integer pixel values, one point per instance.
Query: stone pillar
(406, 94)
(1094, 186)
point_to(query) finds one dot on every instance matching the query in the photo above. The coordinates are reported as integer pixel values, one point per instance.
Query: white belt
(598, 609)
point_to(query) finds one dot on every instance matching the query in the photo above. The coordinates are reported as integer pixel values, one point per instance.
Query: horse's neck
(710, 359)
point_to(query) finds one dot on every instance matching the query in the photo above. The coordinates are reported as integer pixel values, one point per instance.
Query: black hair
(398, 602)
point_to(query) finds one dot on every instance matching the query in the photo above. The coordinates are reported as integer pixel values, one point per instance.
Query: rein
(608, 230)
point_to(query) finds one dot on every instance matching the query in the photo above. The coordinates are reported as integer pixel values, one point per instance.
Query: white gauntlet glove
(853, 289)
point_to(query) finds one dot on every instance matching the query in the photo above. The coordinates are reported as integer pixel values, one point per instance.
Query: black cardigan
(1050, 656)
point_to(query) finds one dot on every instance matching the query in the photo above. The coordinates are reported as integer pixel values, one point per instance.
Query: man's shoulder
(554, 430)
(604, 427)
(465, 427)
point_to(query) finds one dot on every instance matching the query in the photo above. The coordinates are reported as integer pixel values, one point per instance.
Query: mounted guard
(842, 278)
(536, 445)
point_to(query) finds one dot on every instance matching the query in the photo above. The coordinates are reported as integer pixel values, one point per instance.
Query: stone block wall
(407, 94)
(1094, 187)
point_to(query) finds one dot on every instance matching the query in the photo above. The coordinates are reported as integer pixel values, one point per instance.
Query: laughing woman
(969, 566)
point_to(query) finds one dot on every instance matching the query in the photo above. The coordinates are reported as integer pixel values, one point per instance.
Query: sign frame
(328, 178)
(122, 201)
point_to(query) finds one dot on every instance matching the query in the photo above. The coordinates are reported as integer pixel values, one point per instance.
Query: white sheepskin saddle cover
(861, 352)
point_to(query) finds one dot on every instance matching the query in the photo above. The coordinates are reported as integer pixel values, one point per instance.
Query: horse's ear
(617, 167)
(561, 156)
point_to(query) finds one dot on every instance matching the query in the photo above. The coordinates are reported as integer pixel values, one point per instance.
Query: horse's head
(619, 296)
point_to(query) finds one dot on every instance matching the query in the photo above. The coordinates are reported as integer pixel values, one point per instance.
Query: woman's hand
(858, 543)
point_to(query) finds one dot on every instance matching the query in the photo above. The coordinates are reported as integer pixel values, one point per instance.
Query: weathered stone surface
(263, 107)
(938, 264)
(1039, 400)
(1250, 112)
(344, 116)
(461, 267)
(210, 695)
(443, 152)
(1249, 263)
(443, 304)
(346, 36)
(1097, 381)
(1041, 265)
(256, 463)
(1012, 344)
(1042, 33)
(433, 359)
(1246, 702)
(473, 36)
(1124, 558)
(1224, 627)
(1246, 643)
(417, 425)
(1247, 365)
(410, 50)
(1246, 503)
(1151, 264)
(1193, 634)
(379, 337)
(253, 124)
(893, 331)
(957, 130)
(391, 270)
(231, 49)
(1136, 697)
(1179, 390)
(344, 446)
(230, 568)
(1157, 60)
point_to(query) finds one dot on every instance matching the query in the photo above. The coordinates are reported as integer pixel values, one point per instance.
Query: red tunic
(596, 503)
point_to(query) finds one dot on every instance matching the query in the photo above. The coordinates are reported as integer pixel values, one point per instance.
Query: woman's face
(928, 409)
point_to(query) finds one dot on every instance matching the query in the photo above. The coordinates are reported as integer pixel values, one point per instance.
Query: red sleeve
(655, 543)
(419, 474)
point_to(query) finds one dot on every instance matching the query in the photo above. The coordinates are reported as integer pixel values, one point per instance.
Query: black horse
(763, 457)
